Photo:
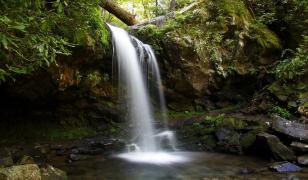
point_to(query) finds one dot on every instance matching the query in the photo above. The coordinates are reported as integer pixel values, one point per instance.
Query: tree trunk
(119, 12)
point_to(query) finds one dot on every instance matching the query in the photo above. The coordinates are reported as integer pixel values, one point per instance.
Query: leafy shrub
(276, 110)
(33, 33)
(296, 65)
(208, 125)
(212, 121)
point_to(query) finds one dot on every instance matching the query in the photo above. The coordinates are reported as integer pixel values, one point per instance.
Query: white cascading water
(135, 66)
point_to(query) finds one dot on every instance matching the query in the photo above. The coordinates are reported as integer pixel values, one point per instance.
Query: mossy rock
(231, 143)
(233, 123)
(209, 142)
(248, 139)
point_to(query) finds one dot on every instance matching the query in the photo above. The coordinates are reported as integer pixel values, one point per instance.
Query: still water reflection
(200, 166)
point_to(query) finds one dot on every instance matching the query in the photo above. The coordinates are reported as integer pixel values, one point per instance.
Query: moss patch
(27, 132)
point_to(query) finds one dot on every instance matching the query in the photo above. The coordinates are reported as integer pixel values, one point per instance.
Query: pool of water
(198, 165)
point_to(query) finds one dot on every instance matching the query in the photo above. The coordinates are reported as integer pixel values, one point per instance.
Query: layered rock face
(211, 55)
(77, 92)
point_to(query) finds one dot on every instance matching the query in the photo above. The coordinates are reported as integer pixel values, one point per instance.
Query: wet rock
(293, 177)
(108, 145)
(56, 147)
(61, 152)
(247, 171)
(106, 112)
(26, 160)
(303, 160)
(210, 142)
(223, 134)
(90, 151)
(299, 146)
(285, 167)
(75, 151)
(229, 141)
(52, 173)
(248, 139)
(77, 157)
(292, 129)
(278, 149)
(21, 172)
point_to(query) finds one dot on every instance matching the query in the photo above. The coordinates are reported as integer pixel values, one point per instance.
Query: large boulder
(278, 150)
(292, 129)
(298, 146)
(32, 172)
(285, 167)
(21, 172)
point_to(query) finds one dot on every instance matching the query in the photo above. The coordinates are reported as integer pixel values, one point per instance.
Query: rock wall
(212, 55)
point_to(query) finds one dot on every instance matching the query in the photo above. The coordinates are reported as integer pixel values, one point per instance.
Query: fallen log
(119, 12)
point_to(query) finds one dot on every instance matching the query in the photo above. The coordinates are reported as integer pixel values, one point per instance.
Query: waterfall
(138, 73)
(152, 72)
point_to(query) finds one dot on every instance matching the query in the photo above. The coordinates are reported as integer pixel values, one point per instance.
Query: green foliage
(31, 132)
(234, 123)
(70, 133)
(289, 19)
(184, 114)
(208, 125)
(33, 33)
(276, 110)
(211, 121)
(94, 77)
(296, 65)
(224, 26)
(148, 9)
(264, 36)
(287, 16)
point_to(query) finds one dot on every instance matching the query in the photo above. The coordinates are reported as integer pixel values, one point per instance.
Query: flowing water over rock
(136, 68)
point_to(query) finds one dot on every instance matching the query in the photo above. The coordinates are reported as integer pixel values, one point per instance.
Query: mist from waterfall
(139, 77)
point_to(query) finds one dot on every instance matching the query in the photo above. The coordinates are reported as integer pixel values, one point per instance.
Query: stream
(201, 165)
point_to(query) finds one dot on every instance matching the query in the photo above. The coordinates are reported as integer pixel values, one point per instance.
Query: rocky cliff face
(77, 92)
(212, 55)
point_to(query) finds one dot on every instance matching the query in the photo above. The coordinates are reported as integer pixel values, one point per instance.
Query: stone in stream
(28, 171)
(285, 167)
(247, 170)
(277, 148)
(292, 129)
(298, 146)
(90, 151)
(303, 160)
(61, 152)
(77, 157)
